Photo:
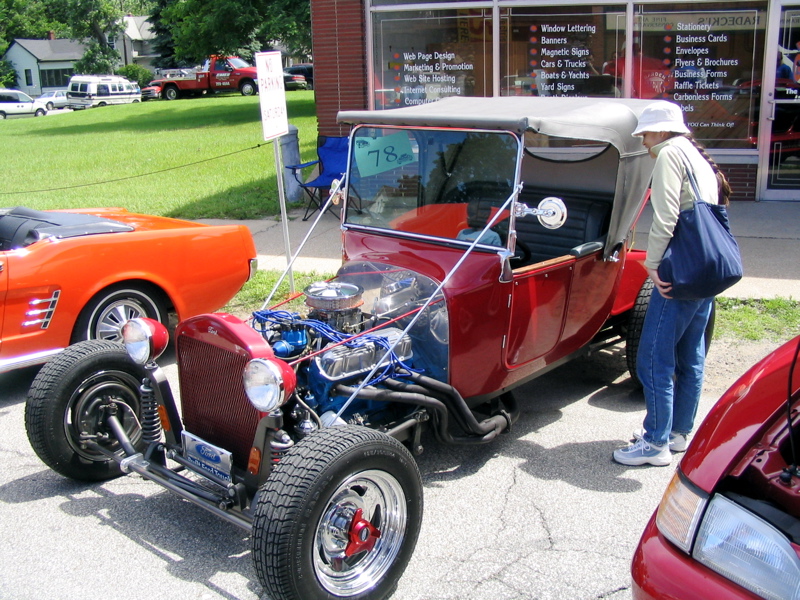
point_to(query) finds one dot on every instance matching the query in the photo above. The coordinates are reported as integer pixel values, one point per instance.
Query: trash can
(290, 154)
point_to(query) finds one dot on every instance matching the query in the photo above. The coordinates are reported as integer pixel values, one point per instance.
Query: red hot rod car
(485, 241)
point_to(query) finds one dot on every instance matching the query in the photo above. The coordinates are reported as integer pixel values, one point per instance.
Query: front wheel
(40, 112)
(50, 106)
(248, 88)
(338, 517)
(67, 404)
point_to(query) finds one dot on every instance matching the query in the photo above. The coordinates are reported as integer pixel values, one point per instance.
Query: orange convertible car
(73, 275)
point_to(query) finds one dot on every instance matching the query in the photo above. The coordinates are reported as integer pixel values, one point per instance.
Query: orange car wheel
(105, 314)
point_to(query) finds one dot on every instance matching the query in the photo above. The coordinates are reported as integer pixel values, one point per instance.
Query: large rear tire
(65, 404)
(338, 517)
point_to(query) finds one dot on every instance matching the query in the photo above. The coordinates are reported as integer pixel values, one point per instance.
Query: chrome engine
(352, 328)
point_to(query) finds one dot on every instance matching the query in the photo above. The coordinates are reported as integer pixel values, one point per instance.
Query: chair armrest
(300, 166)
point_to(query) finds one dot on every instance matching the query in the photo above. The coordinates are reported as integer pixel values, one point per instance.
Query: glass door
(779, 138)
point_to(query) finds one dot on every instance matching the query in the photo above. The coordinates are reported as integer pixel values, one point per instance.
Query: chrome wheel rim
(349, 558)
(115, 315)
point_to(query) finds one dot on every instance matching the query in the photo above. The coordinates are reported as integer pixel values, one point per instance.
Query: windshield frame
(508, 202)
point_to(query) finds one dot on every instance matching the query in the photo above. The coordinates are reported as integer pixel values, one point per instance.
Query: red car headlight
(268, 383)
(145, 339)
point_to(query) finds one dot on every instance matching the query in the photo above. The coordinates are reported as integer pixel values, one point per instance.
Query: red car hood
(737, 424)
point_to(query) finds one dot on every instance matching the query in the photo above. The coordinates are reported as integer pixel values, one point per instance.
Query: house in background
(43, 65)
(46, 65)
(135, 43)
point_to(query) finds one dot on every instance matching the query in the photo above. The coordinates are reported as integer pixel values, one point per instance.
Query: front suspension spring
(151, 423)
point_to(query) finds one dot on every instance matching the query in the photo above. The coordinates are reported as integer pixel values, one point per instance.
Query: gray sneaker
(677, 441)
(643, 453)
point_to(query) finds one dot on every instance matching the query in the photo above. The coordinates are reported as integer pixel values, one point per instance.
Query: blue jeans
(670, 364)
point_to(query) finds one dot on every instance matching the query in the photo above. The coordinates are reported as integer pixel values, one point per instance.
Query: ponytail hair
(724, 187)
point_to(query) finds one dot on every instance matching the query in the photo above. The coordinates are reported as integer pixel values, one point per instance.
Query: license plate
(207, 457)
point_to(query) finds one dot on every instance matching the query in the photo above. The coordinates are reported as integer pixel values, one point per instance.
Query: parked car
(67, 276)
(304, 69)
(152, 91)
(294, 82)
(14, 102)
(728, 525)
(55, 99)
(485, 242)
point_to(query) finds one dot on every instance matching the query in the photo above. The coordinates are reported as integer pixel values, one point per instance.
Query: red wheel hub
(362, 534)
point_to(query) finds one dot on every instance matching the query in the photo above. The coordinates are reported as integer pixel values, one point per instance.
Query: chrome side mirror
(552, 212)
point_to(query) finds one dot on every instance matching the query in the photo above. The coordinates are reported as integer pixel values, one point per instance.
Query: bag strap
(690, 175)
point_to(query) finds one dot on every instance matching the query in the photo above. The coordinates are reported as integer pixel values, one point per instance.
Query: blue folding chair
(332, 162)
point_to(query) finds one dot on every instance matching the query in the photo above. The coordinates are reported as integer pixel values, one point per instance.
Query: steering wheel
(522, 255)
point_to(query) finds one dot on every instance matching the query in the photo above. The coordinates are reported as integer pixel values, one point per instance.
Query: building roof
(53, 50)
(138, 28)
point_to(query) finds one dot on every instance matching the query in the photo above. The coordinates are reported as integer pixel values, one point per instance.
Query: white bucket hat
(661, 116)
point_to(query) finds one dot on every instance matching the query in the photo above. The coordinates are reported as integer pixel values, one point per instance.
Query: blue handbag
(702, 258)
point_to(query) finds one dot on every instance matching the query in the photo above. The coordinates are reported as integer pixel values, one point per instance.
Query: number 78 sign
(376, 155)
(272, 94)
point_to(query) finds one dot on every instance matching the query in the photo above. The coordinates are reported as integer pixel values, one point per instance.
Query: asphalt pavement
(541, 513)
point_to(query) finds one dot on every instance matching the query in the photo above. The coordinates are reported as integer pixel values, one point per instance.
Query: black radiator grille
(213, 400)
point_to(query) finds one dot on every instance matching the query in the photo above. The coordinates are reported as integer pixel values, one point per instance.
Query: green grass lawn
(193, 158)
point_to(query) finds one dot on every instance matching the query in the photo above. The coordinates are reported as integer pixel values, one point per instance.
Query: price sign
(274, 119)
(376, 155)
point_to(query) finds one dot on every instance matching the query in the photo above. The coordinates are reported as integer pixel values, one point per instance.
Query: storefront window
(422, 56)
(562, 51)
(707, 58)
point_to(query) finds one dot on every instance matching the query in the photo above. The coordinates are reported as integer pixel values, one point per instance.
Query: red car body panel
(507, 333)
(740, 433)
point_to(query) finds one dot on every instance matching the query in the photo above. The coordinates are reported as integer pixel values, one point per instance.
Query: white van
(85, 91)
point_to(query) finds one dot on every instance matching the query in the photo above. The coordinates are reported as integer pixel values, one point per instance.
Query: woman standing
(672, 347)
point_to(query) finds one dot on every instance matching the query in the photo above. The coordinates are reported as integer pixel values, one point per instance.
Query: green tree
(203, 27)
(8, 76)
(136, 73)
(95, 23)
(26, 19)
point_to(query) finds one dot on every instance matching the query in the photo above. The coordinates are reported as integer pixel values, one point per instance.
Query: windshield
(440, 182)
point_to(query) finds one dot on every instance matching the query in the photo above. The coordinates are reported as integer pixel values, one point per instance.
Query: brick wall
(742, 179)
(340, 66)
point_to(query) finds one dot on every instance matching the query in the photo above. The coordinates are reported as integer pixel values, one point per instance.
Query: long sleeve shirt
(670, 191)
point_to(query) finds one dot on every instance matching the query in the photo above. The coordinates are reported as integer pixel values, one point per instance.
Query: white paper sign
(274, 119)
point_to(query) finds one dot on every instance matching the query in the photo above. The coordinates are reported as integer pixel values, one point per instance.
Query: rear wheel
(338, 517)
(67, 404)
(105, 314)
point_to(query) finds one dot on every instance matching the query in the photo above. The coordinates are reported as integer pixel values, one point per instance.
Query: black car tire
(108, 310)
(50, 106)
(247, 88)
(170, 93)
(64, 402)
(40, 112)
(2, 115)
(636, 322)
(307, 514)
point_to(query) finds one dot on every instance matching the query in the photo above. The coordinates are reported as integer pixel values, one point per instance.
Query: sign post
(275, 123)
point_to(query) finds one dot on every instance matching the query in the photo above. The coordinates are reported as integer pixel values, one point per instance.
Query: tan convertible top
(606, 120)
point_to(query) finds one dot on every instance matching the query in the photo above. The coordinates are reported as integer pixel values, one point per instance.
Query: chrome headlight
(145, 339)
(746, 549)
(268, 383)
